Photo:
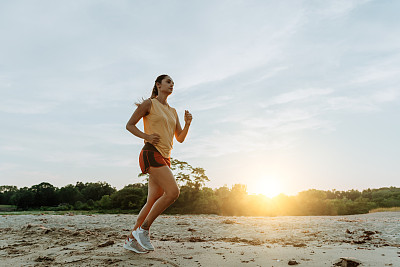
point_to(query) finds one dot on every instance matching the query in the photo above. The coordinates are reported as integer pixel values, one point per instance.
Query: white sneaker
(133, 245)
(143, 238)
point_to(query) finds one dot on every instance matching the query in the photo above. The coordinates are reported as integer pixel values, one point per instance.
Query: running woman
(161, 123)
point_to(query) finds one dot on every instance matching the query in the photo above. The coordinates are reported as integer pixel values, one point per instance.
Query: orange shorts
(150, 157)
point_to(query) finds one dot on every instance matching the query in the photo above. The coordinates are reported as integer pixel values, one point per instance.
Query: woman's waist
(161, 148)
(149, 146)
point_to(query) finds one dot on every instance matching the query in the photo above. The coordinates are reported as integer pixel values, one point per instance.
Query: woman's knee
(173, 193)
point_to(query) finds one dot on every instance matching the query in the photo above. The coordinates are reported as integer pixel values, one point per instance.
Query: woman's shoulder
(146, 104)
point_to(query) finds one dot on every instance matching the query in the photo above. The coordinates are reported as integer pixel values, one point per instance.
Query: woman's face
(166, 86)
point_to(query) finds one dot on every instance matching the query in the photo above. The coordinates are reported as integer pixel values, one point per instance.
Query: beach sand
(201, 240)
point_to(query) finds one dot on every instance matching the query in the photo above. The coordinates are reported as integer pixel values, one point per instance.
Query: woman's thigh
(163, 177)
(154, 191)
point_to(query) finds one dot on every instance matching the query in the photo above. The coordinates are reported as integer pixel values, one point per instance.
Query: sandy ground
(201, 240)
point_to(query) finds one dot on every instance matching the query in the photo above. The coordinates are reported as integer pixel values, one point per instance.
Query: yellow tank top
(162, 120)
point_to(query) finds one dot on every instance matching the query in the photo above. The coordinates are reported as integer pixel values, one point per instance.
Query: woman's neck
(162, 99)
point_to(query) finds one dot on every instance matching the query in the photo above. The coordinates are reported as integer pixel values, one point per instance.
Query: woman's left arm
(180, 134)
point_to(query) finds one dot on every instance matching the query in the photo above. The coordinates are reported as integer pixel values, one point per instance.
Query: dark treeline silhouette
(195, 198)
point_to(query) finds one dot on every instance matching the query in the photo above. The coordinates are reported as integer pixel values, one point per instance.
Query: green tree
(6, 192)
(235, 204)
(129, 197)
(313, 202)
(44, 195)
(222, 194)
(206, 202)
(69, 194)
(352, 194)
(96, 191)
(105, 202)
(23, 198)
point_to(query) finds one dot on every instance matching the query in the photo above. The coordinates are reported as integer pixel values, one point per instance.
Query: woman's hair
(154, 93)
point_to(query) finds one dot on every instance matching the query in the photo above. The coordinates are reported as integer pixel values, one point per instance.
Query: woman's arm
(180, 134)
(141, 111)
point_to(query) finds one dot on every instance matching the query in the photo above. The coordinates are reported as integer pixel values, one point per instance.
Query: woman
(161, 123)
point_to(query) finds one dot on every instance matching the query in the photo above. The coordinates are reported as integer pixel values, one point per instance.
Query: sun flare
(269, 187)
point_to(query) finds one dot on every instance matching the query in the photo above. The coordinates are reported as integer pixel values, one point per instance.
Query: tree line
(196, 198)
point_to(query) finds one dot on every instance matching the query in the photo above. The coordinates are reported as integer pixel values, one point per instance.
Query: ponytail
(154, 93)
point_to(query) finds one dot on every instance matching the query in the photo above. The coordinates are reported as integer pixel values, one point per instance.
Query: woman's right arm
(141, 111)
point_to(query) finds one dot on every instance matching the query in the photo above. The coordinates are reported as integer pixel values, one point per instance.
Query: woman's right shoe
(143, 238)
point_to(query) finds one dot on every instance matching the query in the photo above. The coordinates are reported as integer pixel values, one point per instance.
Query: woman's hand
(153, 138)
(188, 117)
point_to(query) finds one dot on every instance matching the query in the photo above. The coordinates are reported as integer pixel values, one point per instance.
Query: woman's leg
(165, 179)
(154, 192)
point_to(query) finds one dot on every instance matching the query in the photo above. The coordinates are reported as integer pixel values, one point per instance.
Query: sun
(269, 187)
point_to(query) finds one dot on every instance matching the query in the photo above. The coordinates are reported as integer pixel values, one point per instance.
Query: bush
(128, 198)
(64, 206)
(104, 202)
(81, 206)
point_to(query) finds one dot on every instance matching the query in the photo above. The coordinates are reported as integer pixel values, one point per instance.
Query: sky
(286, 96)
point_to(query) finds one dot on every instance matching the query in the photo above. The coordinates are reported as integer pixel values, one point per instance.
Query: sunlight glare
(269, 187)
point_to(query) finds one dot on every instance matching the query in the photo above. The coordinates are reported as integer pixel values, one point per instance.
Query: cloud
(276, 123)
(388, 95)
(298, 95)
(376, 74)
(25, 106)
(8, 166)
(13, 148)
(335, 9)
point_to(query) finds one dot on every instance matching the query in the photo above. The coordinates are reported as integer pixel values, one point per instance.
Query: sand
(201, 240)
